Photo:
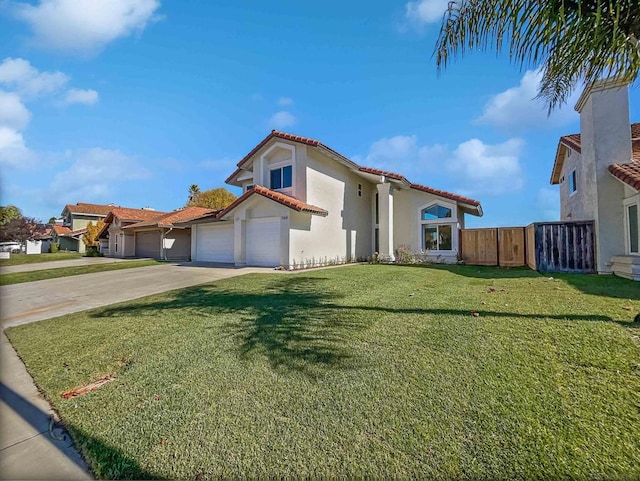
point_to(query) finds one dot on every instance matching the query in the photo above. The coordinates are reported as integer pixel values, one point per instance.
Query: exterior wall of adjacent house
(124, 241)
(346, 232)
(580, 205)
(606, 139)
(81, 221)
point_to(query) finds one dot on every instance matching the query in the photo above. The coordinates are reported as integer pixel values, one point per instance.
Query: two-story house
(75, 218)
(304, 204)
(598, 171)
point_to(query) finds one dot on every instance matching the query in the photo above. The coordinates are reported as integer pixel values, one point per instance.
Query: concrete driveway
(83, 261)
(34, 301)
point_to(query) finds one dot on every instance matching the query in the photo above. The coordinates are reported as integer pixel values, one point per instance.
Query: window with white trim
(281, 178)
(437, 227)
(572, 182)
(249, 187)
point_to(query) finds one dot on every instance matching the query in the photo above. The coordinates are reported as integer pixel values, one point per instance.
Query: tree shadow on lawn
(292, 321)
(592, 284)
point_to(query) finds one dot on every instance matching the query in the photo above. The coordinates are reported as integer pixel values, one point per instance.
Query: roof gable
(572, 141)
(168, 220)
(101, 210)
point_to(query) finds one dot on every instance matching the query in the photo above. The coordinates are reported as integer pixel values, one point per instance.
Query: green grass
(19, 259)
(364, 371)
(30, 276)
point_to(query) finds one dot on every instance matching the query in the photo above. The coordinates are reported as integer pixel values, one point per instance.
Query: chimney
(605, 139)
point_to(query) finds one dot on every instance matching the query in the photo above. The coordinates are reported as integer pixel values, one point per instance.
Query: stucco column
(385, 221)
(239, 239)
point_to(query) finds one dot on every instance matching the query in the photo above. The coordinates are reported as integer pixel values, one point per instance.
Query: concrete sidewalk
(84, 261)
(28, 449)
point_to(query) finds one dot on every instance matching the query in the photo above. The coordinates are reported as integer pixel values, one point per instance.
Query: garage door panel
(214, 243)
(263, 243)
(148, 244)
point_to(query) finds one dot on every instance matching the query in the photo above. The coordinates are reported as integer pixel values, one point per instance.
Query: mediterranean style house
(75, 218)
(304, 204)
(598, 171)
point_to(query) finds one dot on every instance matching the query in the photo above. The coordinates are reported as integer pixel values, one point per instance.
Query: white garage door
(214, 243)
(263, 243)
(148, 244)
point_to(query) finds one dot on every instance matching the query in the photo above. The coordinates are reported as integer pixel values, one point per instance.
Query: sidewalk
(27, 448)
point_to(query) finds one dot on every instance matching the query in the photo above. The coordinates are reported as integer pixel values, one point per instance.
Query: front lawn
(30, 276)
(19, 259)
(364, 371)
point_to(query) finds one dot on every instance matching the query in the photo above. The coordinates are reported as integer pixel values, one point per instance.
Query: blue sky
(132, 101)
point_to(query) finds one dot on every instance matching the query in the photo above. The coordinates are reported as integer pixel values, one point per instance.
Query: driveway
(34, 301)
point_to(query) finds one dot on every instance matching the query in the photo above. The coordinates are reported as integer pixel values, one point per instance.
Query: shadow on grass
(292, 321)
(592, 284)
(113, 463)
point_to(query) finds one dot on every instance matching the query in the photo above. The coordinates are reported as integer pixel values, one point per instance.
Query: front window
(281, 178)
(632, 221)
(437, 237)
(248, 187)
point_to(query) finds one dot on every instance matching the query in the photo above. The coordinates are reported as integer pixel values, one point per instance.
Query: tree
(211, 199)
(52, 220)
(9, 212)
(89, 237)
(20, 230)
(194, 192)
(574, 40)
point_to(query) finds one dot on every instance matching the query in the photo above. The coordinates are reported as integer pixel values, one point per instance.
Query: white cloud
(13, 113)
(13, 151)
(281, 120)
(548, 204)
(402, 154)
(19, 75)
(472, 167)
(84, 26)
(423, 12)
(80, 96)
(93, 174)
(517, 108)
(487, 169)
(285, 101)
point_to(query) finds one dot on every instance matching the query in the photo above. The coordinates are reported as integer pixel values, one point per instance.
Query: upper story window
(359, 190)
(436, 212)
(281, 178)
(572, 182)
(249, 187)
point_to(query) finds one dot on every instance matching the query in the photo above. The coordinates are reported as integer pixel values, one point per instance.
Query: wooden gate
(502, 246)
(564, 246)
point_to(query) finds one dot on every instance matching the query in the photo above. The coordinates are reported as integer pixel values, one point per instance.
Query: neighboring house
(67, 239)
(305, 204)
(115, 242)
(148, 233)
(75, 218)
(598, 172)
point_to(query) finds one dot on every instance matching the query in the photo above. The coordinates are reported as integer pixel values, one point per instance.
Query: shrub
(54, 247)
(92, 251)
(404, 255)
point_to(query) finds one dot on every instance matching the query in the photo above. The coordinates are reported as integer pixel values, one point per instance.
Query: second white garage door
(214, 243)
(263, 242)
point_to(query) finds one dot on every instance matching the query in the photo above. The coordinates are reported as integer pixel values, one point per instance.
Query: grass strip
(19, 259)
(20, 277)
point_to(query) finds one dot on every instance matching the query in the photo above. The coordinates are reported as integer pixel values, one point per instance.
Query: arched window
(436, 211)
(438, 224)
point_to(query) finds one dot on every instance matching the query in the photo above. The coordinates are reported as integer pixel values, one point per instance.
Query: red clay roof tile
(627, 173)
(93, 209)
(180, 215)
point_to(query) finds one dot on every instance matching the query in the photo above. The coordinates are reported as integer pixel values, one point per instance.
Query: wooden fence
(543, 246)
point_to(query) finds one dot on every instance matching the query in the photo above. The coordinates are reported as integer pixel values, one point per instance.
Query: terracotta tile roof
(447, 195)
(368, 170)
(573, 142)
(61, 230)
(627, 173)
(280, 198)
(93, 209)
(180, 215)
(125, 213)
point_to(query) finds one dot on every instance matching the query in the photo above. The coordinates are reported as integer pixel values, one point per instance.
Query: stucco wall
(582, 204)
(345, 233)
(408, 227)
(80, 221)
